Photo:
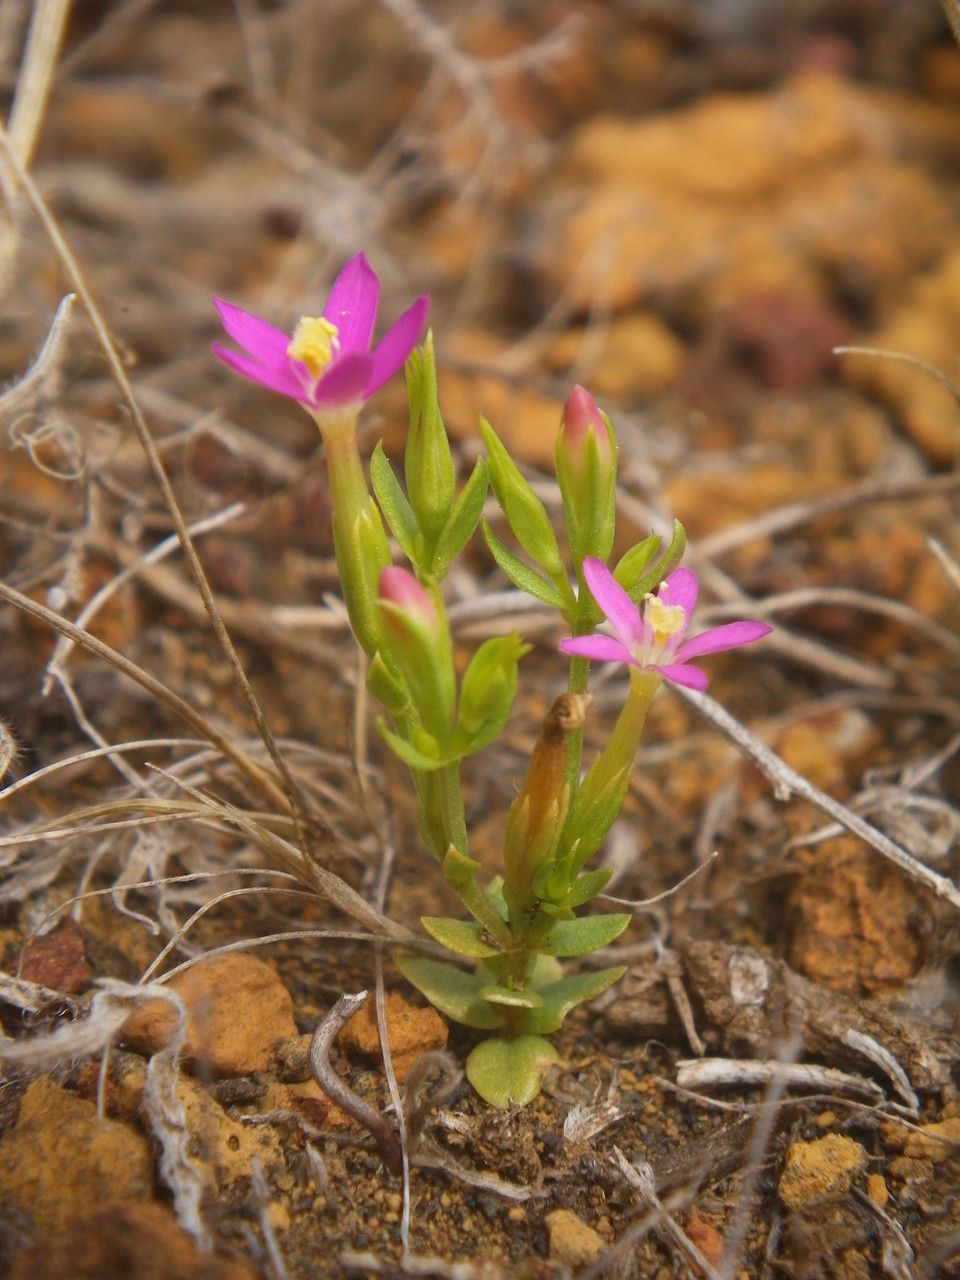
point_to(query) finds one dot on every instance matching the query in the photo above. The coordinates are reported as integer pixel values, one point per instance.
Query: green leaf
(526, 514)
(497, 994)
(593, 814)
(387, 687)
(588, 933)
(667, 562)
(487, 690)
(560, 997)
(408, 753)
(463, 519)
(460, 873)
(510, 1072)
(631, 565)
(455, 993)
(494, 892)
(522, 575)
(587, 886)
(461, 936)
(396, 510)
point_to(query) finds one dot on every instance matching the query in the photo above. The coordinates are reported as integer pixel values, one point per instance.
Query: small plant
(524, 922)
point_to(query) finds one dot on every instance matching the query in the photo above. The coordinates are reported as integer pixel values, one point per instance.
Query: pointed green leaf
(510, 1072)
(667, 562)
(427, 463)
(522, 575)
(463, 519)
(487, 691)
(587, 886)
(588, 933)
(386, 686)
(526, 514)
(496, 994)
(545, 972)
(455, 993)
(594, 814)
(408, 753)
(396, 510)
(560, 997)
(494, 892)
(460, 873)
(632, 564)
(461, 936)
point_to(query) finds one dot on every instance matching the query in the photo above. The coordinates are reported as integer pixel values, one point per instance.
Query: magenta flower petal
(281, 380)
(680, 673)
(726, 637)
(345, 381)
(397, 343)
(599, 647)
(612, 599)
(256, 336)
(352, 304)
(680, 587)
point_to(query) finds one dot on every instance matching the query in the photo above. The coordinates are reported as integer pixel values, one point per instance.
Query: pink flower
(327, 362)
(651, 637)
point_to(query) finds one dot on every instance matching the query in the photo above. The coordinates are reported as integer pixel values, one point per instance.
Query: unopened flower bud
(586, 464)
(399, 587)
(415, 637)
(537, 815)
(581, 418)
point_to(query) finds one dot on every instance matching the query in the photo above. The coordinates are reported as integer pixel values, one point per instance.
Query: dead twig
(337, 1090)
(713, 1073)
(293, 797)
(161, 692)
(787, 782)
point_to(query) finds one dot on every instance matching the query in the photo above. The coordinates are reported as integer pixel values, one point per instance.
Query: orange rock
(747, 192)
(526, 420)
(819, 1171)
(58, 959)
(411, 1031)
(237, 1009)
(136, 1241)
(854, 920)
(635, 356)
(877, 1189)
(936, 1142)
(61, 1157)
(571, 1241)
(926, 326)
(705, 1236)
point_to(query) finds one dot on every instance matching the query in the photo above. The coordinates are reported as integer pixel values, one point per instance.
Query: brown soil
(686, 216)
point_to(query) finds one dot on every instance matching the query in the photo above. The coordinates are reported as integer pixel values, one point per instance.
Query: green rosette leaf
(461, 936)
(560, 997)
(581, 936)
(509, 1073)
(455, 993)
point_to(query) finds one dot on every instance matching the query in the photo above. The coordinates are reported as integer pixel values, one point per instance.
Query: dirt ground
(686, 207)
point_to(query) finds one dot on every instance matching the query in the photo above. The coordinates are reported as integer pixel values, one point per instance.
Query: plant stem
(577, 683)
(359, 540)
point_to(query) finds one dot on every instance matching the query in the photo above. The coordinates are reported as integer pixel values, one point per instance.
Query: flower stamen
(314, 343)
(665, 620)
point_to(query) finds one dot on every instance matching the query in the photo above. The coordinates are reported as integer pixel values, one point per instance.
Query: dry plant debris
(687, 211)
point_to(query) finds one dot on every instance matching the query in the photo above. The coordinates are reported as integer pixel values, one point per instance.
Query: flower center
(665, 620)
(314, 343)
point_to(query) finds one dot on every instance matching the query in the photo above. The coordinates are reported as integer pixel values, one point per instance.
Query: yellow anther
(312, 343)
(664, 619)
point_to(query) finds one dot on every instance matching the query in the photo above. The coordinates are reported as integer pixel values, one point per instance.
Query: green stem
(616, 759)
(442, 804)
(359, 541)
(577, 682)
